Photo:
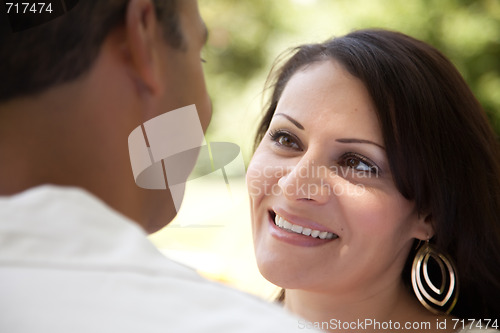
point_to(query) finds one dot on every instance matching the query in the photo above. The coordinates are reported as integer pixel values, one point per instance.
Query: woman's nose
(307, 181)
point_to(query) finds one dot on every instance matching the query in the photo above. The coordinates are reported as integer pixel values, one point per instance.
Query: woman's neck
(367, 313)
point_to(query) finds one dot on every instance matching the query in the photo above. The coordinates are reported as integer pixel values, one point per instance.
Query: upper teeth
(284, 224)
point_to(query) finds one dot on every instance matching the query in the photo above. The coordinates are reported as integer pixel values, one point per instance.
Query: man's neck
(36, 133)
(69, 136)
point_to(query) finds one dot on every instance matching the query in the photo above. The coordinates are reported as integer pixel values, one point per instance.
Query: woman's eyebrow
(346, 140)
(293, 121)
(353, 140)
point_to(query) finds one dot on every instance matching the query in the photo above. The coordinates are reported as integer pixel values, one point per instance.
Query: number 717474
(475, 323)
(28, 7)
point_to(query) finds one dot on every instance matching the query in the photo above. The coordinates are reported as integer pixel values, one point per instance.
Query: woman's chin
(283, 275)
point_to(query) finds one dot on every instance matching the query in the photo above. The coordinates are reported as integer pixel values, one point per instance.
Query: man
(73, 250)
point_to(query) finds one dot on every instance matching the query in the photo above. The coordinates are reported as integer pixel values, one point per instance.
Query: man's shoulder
(211, 306)
(72, 259)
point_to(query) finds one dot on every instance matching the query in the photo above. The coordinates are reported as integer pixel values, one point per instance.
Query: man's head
(64, 49)
(75, 87)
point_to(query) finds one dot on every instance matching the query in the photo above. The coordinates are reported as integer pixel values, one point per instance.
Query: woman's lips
(314, 233)
(295, 234)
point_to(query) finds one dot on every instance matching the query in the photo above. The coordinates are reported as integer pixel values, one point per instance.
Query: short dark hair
(65, 48)
(442, 151)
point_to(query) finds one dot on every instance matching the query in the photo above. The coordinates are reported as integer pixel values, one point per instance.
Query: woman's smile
(298, 231)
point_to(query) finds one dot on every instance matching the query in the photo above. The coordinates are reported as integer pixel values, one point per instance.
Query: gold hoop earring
(437, 300)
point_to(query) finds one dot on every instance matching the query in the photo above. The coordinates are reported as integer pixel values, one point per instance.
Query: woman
(375, 188)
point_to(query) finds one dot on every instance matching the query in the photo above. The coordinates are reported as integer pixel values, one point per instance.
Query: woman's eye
(359, 163)
(284, 140)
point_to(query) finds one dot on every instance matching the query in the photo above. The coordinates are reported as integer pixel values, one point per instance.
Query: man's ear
(142, 35)
(424, 227)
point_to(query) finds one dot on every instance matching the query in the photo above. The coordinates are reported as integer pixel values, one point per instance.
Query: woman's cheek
(254, 179)
(366, 208)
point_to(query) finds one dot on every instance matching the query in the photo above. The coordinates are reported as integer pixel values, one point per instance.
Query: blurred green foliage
(247, 35)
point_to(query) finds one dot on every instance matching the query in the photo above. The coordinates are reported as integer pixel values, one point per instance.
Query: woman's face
(321, 173)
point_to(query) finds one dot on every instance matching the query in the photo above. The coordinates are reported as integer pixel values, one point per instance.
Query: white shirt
(69, 264)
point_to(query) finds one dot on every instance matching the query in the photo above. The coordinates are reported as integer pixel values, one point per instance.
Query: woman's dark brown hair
(442, 151)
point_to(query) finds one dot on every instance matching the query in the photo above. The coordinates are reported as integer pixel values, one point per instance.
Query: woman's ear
(424, 227)
(143, 35)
